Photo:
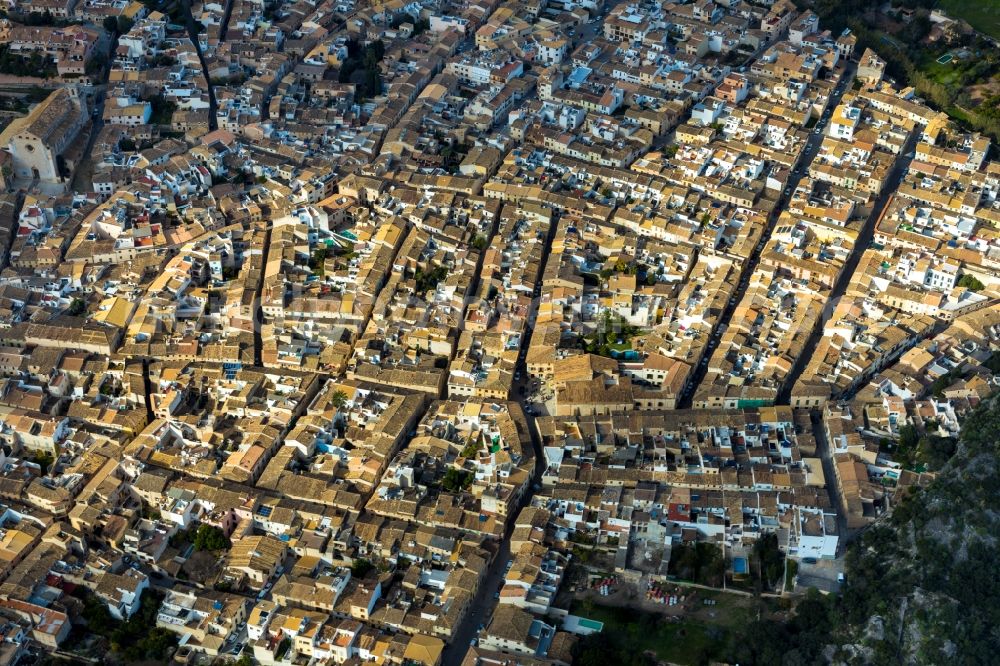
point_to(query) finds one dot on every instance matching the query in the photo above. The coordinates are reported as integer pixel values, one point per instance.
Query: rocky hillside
(924, 585)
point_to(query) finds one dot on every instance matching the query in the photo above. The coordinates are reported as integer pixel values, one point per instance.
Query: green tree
(607, 647)
(135, 639)
(39, 18)
(376, 49)
(211, 538)
(77, 307)
(96, 64)
(428, 280)
(163, 110)
(361, 567)
(770, 561)
(154, 645)
(338, 399)
(993, 363)
(456, 480)
(791, 571)
(35, 63)
(96, 614)
(908, 436)
(372, 83)
(970, 282)
(934, 451)
(44, 460)
(317, 261)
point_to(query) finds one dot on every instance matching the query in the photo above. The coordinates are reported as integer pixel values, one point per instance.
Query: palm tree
(338, 399)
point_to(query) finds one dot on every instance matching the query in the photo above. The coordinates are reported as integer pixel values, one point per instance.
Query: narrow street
(484, 601)
(482, 605)
(813, 144)
(84, 172)
(226, 15)
(825, 454)
(823, 448)
(258, 313)
(192, 26)
(896, 173)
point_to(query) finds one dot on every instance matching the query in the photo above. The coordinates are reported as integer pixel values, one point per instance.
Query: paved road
(227, 13)
(588, 30)
(485, 599)
(192, 27)
(823, 448)
(822, 575)
(895, 176)
(825, 454)
(83, 175)
(84, 172)
(813, 144)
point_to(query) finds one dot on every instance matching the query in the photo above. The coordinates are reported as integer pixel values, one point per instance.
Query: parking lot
(823, 575)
